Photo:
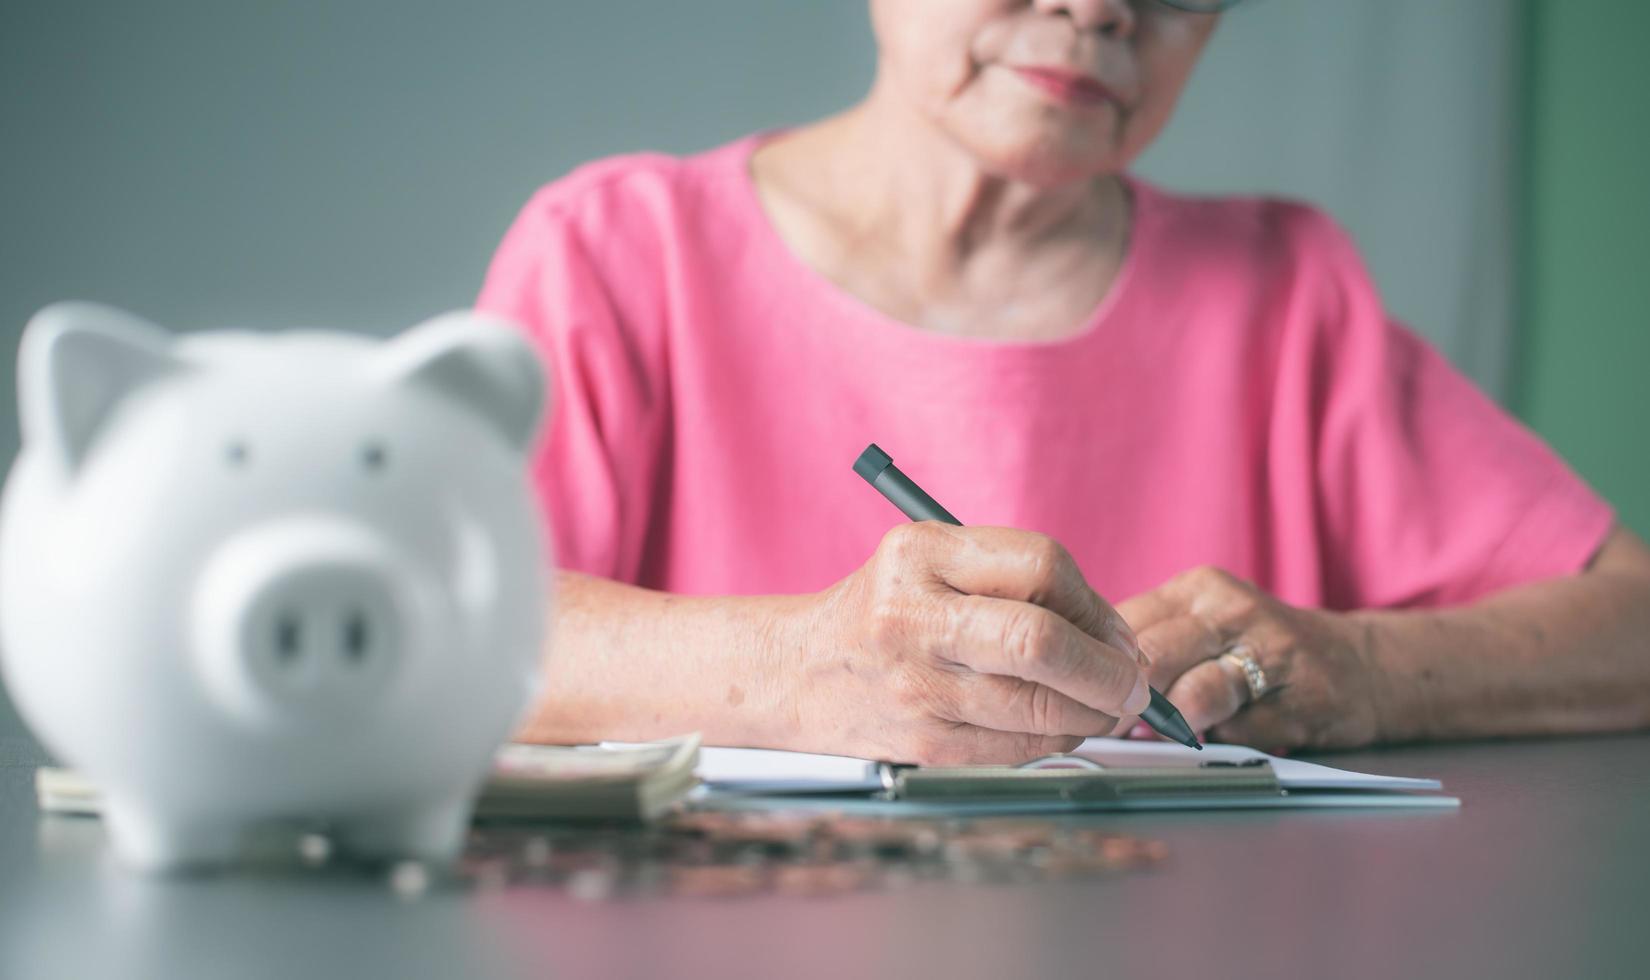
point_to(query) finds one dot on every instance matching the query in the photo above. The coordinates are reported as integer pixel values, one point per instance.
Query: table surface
(1543, 872)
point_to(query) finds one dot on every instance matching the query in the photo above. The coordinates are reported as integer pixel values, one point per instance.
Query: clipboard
(1076, 780)
(1103, 774)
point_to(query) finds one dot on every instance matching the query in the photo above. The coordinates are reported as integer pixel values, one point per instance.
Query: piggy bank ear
(480, 362)
(76, 363)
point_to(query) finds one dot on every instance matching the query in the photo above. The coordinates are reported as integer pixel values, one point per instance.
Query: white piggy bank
(249, 577)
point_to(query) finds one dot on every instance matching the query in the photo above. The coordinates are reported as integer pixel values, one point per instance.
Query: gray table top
(1543, 872)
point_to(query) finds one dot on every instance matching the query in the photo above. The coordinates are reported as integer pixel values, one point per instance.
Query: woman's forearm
(1565, 656)
(1569, 655)
(947, 646)
(628, 663)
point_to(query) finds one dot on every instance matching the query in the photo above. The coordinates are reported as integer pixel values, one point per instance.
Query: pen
(878, 469)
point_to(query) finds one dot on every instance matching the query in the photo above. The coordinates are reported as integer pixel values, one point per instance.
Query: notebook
(527, 782)
(1103, 773)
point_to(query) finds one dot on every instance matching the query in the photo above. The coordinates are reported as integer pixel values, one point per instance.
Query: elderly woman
(1315, 532)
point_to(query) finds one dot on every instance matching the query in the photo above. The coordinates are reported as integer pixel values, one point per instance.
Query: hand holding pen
(933, 652)
(1047, 643)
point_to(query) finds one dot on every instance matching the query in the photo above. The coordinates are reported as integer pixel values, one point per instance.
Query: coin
(809, 854)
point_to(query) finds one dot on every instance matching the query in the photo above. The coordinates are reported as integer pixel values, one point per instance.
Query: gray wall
(1399, 116)
(353, 162)
(350, 162)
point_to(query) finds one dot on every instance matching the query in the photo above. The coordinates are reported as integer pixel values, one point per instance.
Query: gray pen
(878, 469)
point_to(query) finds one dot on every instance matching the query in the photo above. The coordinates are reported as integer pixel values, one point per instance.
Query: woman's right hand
(957, 645)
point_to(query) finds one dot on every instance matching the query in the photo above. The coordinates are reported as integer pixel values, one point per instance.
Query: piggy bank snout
(304, 621)
(319, 622)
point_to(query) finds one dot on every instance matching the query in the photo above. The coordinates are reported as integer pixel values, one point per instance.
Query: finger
(971, 745)
(1209, 694)
(1010, 564)
(1012, 705)
(1206, 590)
(1179, 644)
(1264, 725)
(1148, 609)
(1018, 639)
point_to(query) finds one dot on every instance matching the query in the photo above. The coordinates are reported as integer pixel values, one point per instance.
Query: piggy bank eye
(373, 457)
(237, 453)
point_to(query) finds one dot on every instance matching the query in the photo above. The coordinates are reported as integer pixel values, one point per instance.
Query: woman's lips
(1067, 86)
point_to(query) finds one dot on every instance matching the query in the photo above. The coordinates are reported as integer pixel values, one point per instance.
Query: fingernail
(1134, 641)
(1139, 697)
(1141, 730)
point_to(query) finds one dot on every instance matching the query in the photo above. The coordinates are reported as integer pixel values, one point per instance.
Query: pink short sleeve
(1430, 493)
(600, 450)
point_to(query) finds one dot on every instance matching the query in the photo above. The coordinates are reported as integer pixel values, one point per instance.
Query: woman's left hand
(1321, 689)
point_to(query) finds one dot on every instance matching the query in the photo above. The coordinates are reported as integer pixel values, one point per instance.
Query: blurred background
(353, 164)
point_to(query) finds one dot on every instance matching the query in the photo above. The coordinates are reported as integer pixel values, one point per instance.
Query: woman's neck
(902, 178)
(888, 206)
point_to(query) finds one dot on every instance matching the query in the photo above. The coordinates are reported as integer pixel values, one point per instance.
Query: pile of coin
(730, 854)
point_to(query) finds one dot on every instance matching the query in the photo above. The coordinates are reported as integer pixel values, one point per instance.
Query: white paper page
(768, 770)
(868, 806)
(1292, 773)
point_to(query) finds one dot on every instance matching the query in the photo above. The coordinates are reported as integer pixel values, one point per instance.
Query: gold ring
(1253, 676)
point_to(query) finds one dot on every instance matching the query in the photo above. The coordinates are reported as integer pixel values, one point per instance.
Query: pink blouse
(1240, 399)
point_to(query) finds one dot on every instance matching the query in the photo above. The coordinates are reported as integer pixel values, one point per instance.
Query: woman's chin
(1033, 148)
(1044, 163)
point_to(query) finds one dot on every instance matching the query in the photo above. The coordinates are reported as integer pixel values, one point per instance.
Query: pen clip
(1060, 760)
